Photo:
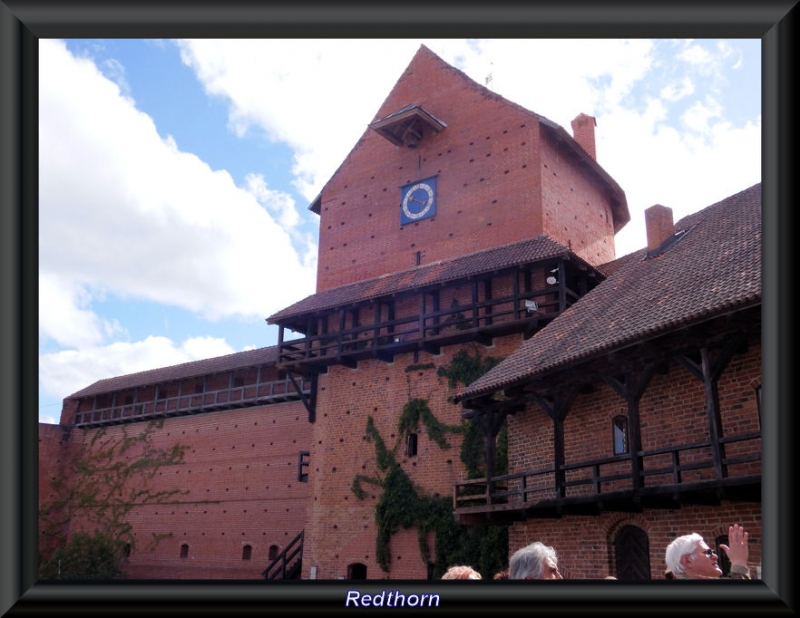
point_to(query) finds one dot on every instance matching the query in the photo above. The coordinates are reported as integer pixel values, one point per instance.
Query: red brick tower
(452, 197)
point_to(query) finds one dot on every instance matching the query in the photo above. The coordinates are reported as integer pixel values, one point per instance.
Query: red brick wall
(585, 544)
(341, 528)
(577, 212)
(489, 167)
(54, 453)
(240, 471)
(672, 412)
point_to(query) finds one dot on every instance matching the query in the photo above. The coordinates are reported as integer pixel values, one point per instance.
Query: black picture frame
(24, 22)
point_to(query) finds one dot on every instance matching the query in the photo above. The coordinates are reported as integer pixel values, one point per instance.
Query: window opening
(184, 551)
(302, 465)
(411, 445)
(758, 403)
(247, 552)
(357, 571)
(620, 429)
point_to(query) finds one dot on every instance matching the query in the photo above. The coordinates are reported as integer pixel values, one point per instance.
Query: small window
(247, 552)
(302, 464)
(758, 402)
(127, 550)
(620, 429)
(273, 552)
(411, 445)
(184, 551)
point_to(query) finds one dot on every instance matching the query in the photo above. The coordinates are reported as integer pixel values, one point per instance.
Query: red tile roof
(443, 271)
(713, 269)
(193, 369)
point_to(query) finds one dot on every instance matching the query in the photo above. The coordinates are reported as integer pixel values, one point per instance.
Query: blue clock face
(418, 201)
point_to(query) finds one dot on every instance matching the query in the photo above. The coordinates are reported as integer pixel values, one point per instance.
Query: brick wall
(341, 528)
(240, 478)
(577, 212)
(491, 191)
(585, 547)
(672, 412)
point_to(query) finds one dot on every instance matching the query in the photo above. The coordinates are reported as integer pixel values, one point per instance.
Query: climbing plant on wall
(404, 505)
(105, 481)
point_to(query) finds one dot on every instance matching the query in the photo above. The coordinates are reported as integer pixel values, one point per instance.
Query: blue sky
(175, 175)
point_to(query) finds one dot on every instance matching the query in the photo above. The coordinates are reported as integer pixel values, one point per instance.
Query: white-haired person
(461, 572)
(534, 561)
(690, 557)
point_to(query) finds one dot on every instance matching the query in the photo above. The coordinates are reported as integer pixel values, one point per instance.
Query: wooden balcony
(668, 478)
(383, 334)
(247, 395)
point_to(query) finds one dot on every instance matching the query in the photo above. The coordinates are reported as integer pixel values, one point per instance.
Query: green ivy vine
(404, 505)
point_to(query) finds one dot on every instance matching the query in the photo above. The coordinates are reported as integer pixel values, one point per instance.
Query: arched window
(184, 551)
(620, 429)
(632, 553)
(247, 552)
(273, 552)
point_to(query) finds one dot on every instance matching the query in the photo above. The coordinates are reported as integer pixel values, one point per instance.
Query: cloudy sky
(175, 175)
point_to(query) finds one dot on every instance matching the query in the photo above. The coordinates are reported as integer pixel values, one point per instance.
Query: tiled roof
(488, 260)
(714, 268)
(259, 356)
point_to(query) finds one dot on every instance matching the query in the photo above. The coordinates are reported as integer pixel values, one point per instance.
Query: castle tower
(459, 224)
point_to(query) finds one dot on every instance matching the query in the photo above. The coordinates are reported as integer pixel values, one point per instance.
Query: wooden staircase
(289, 563)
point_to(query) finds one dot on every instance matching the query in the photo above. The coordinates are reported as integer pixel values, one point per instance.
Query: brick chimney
(660, 226)
(583, 132)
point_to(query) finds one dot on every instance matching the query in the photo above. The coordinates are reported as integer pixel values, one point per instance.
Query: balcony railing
(263, 393)
(663, 472)
(429, 330)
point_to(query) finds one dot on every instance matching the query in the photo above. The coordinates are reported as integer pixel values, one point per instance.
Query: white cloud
(123, 209)
(698, 118)
(276, 202)
(678, 89)
(63, 318)
(695, 54)
(316, 96)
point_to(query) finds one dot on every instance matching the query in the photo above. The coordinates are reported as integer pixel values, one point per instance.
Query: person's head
(461, 572)
(502, 574)
(690, 557)
(534, 561)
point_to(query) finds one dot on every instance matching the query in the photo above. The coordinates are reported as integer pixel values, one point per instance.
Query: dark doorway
(632, 553)
(357, 571)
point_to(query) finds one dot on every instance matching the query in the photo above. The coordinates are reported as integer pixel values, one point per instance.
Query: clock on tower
(418, 200)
